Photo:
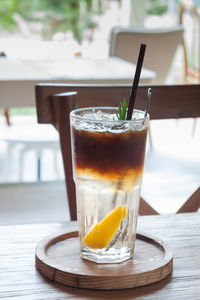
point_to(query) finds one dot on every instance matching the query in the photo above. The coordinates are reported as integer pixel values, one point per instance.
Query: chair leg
(62, 116)
(192, 204)
(7, 116)
(146, 209)
(194, 126)
(8, 162)
(21, 163)
(55, 162)
(39, 156)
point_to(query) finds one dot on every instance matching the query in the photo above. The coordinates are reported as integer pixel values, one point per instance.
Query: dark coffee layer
(109, 153)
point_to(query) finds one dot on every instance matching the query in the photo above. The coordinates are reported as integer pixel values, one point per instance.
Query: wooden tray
(57, 258)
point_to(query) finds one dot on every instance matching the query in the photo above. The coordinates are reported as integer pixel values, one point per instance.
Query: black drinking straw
(132, 97)
(136, 81)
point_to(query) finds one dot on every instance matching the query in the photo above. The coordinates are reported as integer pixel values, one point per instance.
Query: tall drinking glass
(108, 159)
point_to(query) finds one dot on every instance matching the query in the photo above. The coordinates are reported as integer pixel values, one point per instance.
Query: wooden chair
(125, 43)
(55, 101)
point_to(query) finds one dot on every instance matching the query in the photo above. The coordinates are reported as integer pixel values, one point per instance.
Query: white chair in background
(189, 14)
(29, 137)
(161, 43)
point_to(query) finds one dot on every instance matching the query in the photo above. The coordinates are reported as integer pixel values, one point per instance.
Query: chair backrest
(125, 43)
(189, 18)
(55, 101)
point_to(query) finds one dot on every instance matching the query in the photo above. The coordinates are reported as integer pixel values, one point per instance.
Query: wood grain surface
(58, 259)
(19, 278)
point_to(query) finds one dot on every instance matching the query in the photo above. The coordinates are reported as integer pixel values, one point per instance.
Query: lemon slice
(102, 233)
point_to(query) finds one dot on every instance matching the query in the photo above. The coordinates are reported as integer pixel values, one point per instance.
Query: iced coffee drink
(108, 159)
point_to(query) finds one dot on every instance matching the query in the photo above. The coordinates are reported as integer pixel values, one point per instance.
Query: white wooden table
(18, 77)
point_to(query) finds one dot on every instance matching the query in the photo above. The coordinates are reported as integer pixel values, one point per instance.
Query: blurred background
(67, 29)
(58, 28)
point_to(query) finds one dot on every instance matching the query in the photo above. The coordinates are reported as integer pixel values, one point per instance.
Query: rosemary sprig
(122, 110)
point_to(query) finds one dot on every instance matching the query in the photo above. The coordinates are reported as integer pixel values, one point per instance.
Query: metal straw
(147, 102)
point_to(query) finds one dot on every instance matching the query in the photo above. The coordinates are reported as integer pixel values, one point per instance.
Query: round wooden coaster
(57, 258)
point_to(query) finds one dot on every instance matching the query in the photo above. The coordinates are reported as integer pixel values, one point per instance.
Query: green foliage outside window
(156, 7)
(61, 15)
(56, 15)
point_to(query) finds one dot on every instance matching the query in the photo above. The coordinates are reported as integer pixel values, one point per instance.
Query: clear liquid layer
(99, 203)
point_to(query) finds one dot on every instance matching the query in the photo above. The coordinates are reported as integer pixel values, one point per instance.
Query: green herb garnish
(122, 110)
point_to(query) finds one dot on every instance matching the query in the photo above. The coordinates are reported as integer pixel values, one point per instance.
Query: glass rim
(74, 115)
